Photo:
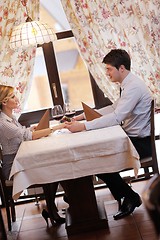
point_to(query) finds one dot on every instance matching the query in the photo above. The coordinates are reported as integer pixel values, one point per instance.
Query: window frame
(100, 100)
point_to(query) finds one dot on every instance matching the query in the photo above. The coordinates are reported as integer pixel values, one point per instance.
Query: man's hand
(75, 126)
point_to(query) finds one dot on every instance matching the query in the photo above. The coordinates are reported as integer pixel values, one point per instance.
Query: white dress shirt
(132, 108)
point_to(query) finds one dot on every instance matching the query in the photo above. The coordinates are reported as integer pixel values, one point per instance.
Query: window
(72, 73)
(60, 74)
(74, 76)
(40, 93)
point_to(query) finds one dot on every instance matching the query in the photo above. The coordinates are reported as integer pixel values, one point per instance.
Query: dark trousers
(118, 187)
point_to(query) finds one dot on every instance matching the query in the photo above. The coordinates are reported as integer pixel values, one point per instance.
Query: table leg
(83, 214)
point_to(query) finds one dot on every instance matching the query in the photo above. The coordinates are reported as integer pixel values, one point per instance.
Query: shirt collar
(6, 117)
(125, 80)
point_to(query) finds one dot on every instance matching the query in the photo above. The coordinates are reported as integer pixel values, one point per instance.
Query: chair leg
(7, 208)
(8, 212)
(8, 217)
(13, 212)
(147, 173)
(2, 227)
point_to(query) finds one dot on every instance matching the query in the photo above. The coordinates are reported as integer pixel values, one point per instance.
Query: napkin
(44, 122)
(90, 113)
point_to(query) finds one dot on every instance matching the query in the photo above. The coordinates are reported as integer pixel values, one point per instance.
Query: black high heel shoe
(65, 199)
(119, 204)
(45, 215)
(59, 220)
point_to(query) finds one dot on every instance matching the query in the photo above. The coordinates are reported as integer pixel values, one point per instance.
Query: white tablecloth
(157, 124)
(158, 152)
(64, 155)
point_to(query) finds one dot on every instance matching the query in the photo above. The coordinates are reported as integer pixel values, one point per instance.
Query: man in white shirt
(132, 111)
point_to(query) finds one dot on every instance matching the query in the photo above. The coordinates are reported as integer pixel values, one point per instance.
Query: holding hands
(75, 126)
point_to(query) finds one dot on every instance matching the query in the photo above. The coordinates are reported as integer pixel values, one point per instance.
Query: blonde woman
(12, 133)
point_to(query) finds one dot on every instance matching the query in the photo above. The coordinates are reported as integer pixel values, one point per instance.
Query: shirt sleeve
(12, 131)
(118, 111)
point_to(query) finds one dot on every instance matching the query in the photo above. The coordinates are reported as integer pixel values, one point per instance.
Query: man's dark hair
(118, 57)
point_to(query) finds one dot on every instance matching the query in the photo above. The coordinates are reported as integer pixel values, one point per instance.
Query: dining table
(74, 158)
(157, 142)
(157, 125)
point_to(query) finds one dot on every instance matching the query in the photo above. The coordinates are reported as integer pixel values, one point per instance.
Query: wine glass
(57, 112)
(68, 112)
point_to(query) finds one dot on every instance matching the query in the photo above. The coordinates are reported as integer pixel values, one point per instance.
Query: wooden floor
(31, 226)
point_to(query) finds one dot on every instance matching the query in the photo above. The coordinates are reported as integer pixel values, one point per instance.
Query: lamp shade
(31, 33)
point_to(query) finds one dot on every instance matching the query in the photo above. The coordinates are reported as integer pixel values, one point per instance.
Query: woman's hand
(78, 117)
(33, 128)
(75, 126)
(41, 133)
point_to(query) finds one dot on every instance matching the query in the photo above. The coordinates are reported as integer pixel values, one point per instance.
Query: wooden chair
(3, 234)
(151, 199)
(151, 161)
(148, 162)
(6, 193)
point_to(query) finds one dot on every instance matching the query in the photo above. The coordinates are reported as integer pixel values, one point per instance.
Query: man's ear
(122, 67)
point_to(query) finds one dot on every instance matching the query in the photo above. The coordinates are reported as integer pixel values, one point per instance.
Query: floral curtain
(16, 66)
(101, 25)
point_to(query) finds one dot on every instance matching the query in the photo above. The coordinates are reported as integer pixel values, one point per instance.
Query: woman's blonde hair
(5, 92)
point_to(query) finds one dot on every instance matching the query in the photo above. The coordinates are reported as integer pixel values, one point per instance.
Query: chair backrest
(151, 161)
(151, 198)
(1, 156)
(154, 154)
(6, 195)
(2, 180)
